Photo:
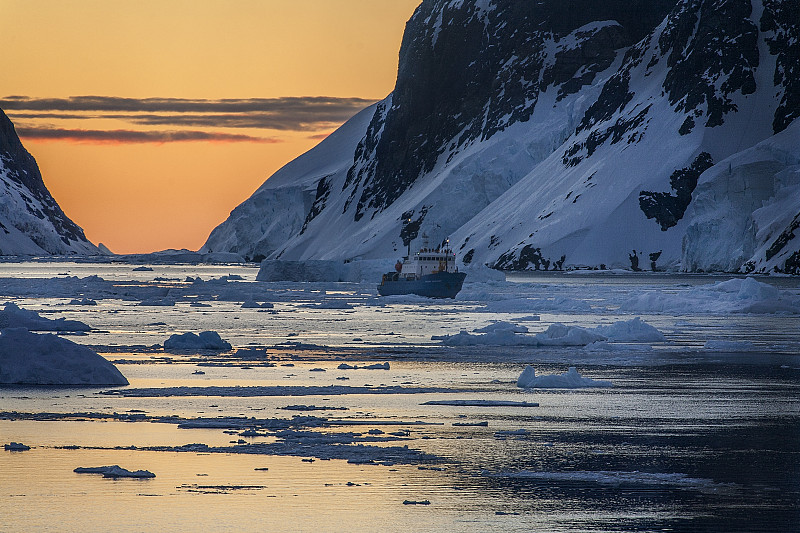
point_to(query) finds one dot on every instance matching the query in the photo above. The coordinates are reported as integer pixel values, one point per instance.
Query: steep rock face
(549, 135)
(31, 222)
(697, 90)
(468, 70)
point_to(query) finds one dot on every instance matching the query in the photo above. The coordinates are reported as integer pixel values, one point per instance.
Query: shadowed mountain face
(31, 222)
(561, 134)
(468, 70)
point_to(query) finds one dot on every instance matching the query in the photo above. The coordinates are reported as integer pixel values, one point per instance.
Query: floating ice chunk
(729, 346)
(12, 316)
(630, 331)
(82, 301)
(733, 296)
(568, 380)
(377, 366)
(502, 326)
(330, 304)
(252, 304)
(143, 269)
(16, 447)
(206, 340)
(560, 335)
(482, 403)
(529, 318)
(115, 471)
(30, 358)
(158, 302)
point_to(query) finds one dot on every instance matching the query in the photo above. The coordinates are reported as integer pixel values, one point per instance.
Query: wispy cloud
(313, 113)
(133, 136)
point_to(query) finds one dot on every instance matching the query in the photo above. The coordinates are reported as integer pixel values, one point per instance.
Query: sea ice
(729, 346)
(46, 359)
(634, 330)
(12, 316)
(16, 447)
(507, 334)
(206, 340)
(568, 380)
(733, 296)
(115, 471)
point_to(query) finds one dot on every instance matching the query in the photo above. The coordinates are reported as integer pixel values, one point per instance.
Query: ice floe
(570, 379)
(206, 340)
(557, 334)
(12, 316)
(729, 346)
(115, 471)
(482, 403)
(46, 359)
(738, 295)
(16, 447)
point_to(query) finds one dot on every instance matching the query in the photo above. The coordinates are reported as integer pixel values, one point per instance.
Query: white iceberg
(46, 359)
(634, 330)
(568, 380)
(12, 316)
(206, 340)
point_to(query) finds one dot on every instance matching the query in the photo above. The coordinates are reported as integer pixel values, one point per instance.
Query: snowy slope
(550, 135)
(278, 209)
(31, 222)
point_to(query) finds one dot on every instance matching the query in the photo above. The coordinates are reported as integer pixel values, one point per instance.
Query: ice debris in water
(206, 340)
(252, 304)
(114, 471)
(374, 366)
(12, 316)
(506, 334)
(733, 296)
(82, 301)
(16, 447)
(46, 359)
(568, 380)
(729, 346)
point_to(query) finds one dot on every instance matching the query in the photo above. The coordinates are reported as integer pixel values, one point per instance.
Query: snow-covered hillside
(31, 222)
(544, 135)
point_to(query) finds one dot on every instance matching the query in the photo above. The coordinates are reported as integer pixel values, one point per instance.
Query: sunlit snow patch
(568, 380)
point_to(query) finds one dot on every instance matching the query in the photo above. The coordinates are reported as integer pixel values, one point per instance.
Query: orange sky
(189, 70)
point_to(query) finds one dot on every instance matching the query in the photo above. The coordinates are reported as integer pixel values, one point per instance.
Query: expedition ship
(429, 272)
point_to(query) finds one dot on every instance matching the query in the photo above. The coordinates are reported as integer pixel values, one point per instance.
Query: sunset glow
(150, 121)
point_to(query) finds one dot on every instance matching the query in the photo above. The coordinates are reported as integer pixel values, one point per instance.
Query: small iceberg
(16, 447)
(115, 471)
(12, 316)
(206, 340)
(568, 380)
(45, 359)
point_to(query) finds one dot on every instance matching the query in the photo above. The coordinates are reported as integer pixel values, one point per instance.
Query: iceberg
(206, 340)
(12, 316)
(568, 380)
(46, 359)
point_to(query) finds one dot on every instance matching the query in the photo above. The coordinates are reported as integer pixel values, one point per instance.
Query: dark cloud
(312, 113)
(131, 136)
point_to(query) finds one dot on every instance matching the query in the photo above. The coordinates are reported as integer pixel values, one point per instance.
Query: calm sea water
(689, 438)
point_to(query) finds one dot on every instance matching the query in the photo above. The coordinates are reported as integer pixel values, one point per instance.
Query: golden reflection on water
(211, 492)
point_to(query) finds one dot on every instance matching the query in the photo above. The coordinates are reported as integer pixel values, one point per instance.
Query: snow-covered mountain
(31, 222)
(549, 134)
